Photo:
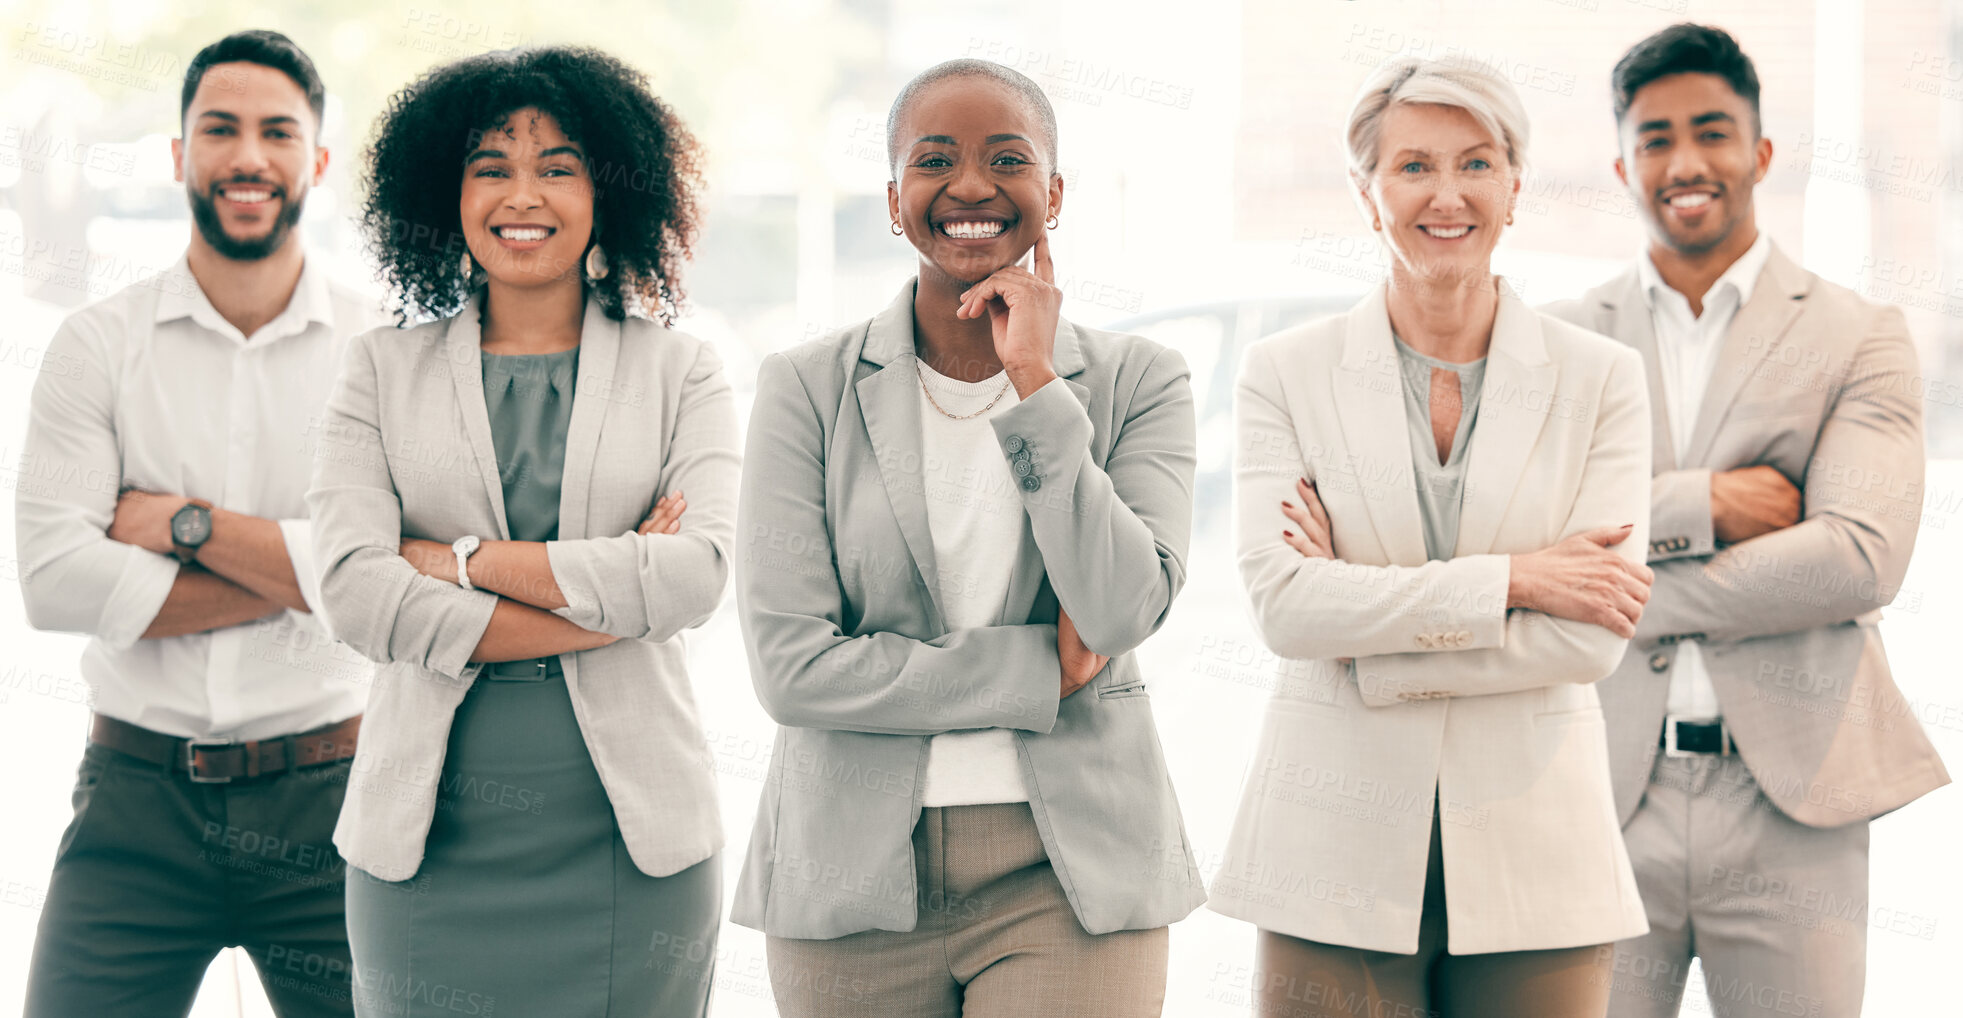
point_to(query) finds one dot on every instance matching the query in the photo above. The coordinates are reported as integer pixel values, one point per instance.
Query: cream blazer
(1450, 692)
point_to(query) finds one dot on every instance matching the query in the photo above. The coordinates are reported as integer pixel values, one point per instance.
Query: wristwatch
(465, 547)
(190, 528)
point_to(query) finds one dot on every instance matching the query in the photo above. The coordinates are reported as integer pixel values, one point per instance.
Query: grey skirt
(527, 902)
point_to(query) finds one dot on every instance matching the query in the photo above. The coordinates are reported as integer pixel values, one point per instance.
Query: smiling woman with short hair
(1442, 505)
(518, 506)
(961, 518)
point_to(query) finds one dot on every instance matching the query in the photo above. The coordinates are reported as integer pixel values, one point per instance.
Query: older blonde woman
(1442, 506)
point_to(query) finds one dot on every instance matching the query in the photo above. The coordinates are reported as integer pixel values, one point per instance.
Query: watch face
(191, 525)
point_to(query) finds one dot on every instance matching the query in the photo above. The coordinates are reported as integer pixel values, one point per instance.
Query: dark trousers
(156, 875)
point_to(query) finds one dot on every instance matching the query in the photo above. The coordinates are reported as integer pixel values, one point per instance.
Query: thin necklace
(929, 393)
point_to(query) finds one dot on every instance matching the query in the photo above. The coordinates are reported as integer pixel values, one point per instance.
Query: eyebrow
(942, 139)
(233, 118)
(1425, 151)
(1713, 117)
(491, 153)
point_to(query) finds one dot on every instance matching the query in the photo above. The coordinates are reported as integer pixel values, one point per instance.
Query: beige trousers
(996, 937)
(1297, 978)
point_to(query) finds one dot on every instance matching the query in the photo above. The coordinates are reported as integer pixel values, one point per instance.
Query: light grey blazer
(405, 450)
(838, 597)
(1823, 385)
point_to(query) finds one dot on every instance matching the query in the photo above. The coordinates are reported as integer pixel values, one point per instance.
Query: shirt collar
(311, 301)
(1743, 274)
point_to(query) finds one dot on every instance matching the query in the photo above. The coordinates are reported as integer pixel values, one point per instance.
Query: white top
(150, 388)
(974, 511)
(1687, 349)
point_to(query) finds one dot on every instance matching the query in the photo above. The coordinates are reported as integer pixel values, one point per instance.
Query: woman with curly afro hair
(520, 502)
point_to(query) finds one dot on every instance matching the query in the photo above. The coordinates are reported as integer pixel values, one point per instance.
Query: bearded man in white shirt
(162, 513)
(1754, 726)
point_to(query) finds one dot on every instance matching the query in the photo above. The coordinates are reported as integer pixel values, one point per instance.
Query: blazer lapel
(599, 353)
(465, 358)
(889, 402)
(1376, 435)
(1513, 408)
(1760, 326)
(1630, 323)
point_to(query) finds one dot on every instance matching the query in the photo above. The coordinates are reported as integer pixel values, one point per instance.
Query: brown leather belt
(218, 761)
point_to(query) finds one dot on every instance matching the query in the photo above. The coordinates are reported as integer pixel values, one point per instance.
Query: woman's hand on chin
(1023, 308)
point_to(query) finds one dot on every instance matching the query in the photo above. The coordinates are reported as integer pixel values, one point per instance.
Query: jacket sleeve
(1862, 499)
(1541, 649)
(1680, 515)
(373, 599)
(1113, 539)
(652, 586)
(73, 577)
(1311, 608)
(807, 672)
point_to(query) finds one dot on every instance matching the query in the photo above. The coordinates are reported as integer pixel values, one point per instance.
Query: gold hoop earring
(898, 230)
(1051, 223)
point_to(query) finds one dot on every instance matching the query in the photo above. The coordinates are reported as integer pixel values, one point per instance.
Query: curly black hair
(644, 164)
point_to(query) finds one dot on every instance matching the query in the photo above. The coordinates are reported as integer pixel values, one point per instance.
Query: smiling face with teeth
(247, 158)
(1442, 190)
(973, 189)
(1691, 154)
(527, 202)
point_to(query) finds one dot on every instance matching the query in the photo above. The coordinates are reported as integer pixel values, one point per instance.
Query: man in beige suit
(1754, 728)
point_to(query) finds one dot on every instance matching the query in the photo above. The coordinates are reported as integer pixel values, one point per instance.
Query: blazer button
(1020, 466)
(1424, 639)
(1031, 483)
(1013, 443)
(1658, 662)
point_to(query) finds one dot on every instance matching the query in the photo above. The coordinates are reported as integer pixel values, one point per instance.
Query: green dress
(527, 902)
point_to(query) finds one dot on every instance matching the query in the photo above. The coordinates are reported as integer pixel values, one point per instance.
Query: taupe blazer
(1824, 386)
(405, 450)
(1450, 692)
(838, 595)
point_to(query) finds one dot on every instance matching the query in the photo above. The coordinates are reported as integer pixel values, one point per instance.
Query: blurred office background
(1206, 204)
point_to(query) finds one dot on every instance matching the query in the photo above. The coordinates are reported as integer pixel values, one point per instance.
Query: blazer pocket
(1121, 690)
(1568, 717)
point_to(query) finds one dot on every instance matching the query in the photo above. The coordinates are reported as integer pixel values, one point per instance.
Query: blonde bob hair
(1477, 88)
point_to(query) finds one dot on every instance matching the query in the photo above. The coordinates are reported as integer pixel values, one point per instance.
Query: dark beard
(204, 212)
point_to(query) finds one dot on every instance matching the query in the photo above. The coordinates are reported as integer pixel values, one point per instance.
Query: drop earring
(466, 266)
(596, 263)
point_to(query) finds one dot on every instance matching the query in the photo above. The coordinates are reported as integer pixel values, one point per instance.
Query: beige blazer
(1493, 709)
(405, 449)
(1824, 386)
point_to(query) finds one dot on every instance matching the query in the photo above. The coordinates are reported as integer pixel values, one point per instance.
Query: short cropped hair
(257, 46)
(1469, 85)
(1030, 93)
(1685, 49)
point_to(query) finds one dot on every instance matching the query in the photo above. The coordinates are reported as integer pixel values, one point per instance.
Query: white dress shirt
(975, 514)
(151, 388)
(1687, 347)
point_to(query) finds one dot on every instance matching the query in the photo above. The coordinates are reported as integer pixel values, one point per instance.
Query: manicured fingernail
(1288, 533)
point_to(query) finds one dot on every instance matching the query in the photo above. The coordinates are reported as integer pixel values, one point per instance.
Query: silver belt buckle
(1670, 736)
(191, 747)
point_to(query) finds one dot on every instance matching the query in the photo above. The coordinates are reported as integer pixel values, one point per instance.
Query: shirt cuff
(298, 535)
(139, 595)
